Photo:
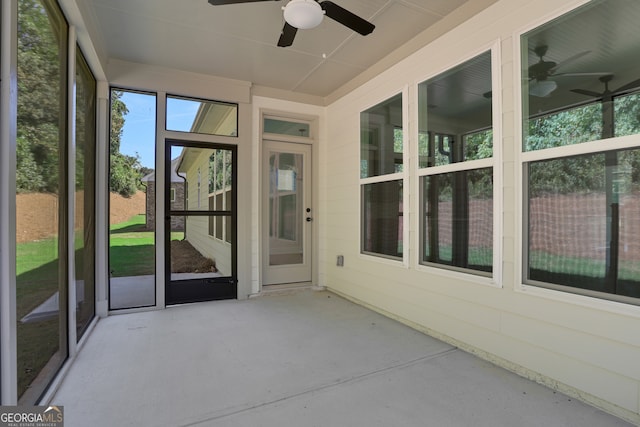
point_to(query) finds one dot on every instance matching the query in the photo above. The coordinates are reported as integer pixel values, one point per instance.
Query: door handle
(309, 219)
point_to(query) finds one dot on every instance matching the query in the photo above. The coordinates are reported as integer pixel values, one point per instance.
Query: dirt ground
(124, 208)
(186, 259)
(37, 213)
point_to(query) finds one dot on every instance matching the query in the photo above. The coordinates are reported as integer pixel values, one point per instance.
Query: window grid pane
(381, 139)
(85, 194)
(455, 114)
(584, 227)
(382, 226)
(457, 215)
(575, 88)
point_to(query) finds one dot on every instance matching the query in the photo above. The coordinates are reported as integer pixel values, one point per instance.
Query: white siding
(197, 230)
(583, 346)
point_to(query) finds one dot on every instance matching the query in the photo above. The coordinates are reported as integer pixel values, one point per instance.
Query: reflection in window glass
(627, 114)
(197, 116)
(456, 207)
(41, 216)
(572, 126)
(583, 210)
(286, 197)
(573, 69)
(584, 222)
(381, 138)
(85, 194)
(285, 127)
(452, 107)
(382, 219)
(457, 213)
(478, 145)
(381, 153)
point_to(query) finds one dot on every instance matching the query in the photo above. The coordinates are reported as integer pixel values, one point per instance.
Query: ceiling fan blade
(569, 60)
(223, 2)
(346, 18)
(587, 93)
(287, 36)
(631, 85)
(581, 74)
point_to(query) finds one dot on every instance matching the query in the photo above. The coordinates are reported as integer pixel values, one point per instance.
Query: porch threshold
(286, 288)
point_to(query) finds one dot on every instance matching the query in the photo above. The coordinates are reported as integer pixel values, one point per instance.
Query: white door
(287, 213)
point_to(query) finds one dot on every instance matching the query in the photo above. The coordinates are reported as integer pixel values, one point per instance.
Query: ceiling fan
(306, 14)
(607, 92)
(540, 73)
(540, 83)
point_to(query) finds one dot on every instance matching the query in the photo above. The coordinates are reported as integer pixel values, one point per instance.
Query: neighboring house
(177, 195)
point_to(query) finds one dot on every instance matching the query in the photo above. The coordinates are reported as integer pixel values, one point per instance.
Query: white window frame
(522, 158)
(398, 176)
(494, 162)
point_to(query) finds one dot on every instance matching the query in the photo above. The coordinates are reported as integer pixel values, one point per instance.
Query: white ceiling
(239, 41)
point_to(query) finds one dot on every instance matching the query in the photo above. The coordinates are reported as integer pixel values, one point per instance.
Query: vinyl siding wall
(583, 346)
(197, 230)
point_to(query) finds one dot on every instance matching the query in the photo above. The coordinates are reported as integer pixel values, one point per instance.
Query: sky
(138, 133)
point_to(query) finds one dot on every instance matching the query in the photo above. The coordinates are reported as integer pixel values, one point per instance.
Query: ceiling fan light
(303, 14)
(542, 88)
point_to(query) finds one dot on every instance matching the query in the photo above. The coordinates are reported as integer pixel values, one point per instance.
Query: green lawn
(131, 253)
(131, 248)
(627, 270)
(36, 281)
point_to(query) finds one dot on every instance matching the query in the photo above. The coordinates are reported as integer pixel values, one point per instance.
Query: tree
(125, 174)
(118, 112)
(585, 173)
(126, 171)
(41, 127)
(42, 105)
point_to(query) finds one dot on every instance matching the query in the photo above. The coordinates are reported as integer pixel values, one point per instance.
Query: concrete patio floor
(297, 358)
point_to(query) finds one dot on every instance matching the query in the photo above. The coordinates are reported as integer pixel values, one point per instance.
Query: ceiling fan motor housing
(303, 14)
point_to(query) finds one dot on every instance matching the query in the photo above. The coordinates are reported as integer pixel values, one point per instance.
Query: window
(198, 188)
(381, 179)
(584, 222)
(85, 194)
(220, 169)
(42, 268)
(198, 116)
(581, 179)
(287, 127)
(172, 194)
(455, 149)
(133, 188)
